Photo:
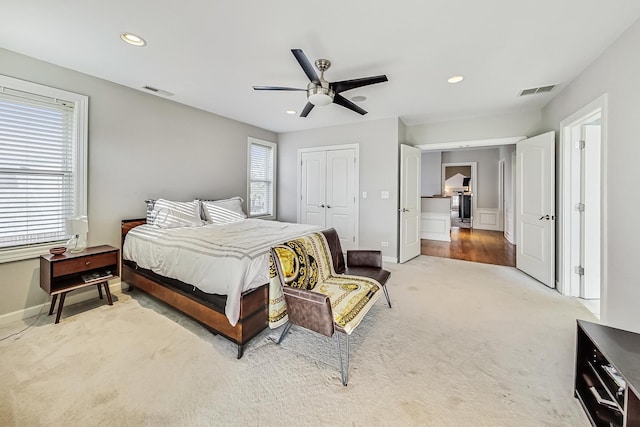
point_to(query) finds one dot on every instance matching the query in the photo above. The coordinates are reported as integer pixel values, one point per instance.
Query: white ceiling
(209, 53)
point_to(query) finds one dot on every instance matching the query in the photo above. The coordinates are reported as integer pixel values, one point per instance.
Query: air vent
(156, 90)
(534, 90)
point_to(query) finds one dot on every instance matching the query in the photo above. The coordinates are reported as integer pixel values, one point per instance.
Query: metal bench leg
(284, 332)
(386, 294)
(344, 368)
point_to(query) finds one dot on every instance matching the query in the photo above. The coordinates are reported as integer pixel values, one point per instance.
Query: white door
(535, 207)
(590, 224)
(313, 188)
(341, 195)
(328, 190)
(409, 202)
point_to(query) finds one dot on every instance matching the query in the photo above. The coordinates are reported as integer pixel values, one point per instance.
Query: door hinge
(579, 270)
(354, 239)
(580, 145)
(580, 207)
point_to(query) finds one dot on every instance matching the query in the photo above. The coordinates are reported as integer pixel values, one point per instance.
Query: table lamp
(77, 226)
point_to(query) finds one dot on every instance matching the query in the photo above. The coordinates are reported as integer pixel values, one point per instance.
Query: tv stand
(608, 374)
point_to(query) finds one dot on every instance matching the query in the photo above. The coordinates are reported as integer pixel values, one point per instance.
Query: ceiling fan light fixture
(455, 79)
(320, 95)
(133, 39)
(291, 112)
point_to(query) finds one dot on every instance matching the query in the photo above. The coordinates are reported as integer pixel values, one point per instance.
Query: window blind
(261, 173)
(37, 183)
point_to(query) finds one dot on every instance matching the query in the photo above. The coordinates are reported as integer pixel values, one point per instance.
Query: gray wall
(617, 73)
(379, 155)
(431, 172)
(487, 170)
(140, 146)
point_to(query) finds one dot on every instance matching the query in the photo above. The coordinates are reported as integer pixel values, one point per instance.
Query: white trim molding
(471, 144)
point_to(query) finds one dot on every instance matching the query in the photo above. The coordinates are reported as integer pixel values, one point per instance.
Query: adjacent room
(409, 214)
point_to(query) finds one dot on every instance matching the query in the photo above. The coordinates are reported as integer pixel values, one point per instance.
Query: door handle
(322, 206)
(547, 217)
(329, 206)
(404, 210)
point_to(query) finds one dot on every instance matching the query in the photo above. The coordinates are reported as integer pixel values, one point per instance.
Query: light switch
(384, 195)
(364, 194)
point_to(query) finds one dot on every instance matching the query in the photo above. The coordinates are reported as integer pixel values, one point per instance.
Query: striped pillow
(170, 214)
(224, 211)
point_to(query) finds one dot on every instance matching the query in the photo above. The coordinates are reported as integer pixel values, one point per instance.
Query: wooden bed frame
(253, 303)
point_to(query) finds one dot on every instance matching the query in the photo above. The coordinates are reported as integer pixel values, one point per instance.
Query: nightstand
(61, 274)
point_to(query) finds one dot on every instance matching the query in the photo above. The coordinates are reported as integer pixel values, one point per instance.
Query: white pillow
(170, 214)
(224, 211)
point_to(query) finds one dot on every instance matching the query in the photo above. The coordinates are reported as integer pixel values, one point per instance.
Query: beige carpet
(465, 344)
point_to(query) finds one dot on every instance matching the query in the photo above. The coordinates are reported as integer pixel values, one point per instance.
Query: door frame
(356, 175)
(582, 116)
(474, 179)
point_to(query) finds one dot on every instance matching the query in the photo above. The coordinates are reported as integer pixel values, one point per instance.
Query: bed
(216, 273)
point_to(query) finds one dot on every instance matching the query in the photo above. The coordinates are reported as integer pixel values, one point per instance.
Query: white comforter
(218, 259)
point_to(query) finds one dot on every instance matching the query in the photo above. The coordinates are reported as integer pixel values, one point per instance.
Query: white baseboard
(509, 237)
(73, 298)
(390, 259)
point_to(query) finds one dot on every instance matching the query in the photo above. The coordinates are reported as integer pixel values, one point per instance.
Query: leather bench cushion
(377, 274)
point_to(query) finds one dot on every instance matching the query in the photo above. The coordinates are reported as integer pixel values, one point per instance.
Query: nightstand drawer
(91, 262)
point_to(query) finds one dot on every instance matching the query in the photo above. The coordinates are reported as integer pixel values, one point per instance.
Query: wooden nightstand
(61, 274)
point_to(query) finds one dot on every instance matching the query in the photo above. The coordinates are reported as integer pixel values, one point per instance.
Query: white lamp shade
(77, 225)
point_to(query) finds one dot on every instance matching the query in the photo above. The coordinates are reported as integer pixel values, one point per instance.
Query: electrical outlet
(364, 194)
(385, 244)
(384, 194)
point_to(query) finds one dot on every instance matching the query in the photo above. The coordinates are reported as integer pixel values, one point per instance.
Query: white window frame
(255, 141)
(81, 119)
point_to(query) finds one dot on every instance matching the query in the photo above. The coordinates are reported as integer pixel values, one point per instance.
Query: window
(42, 166)
(262, 173)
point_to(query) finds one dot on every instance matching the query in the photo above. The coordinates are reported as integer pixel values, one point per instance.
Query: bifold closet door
(313, 188)
(341, 196)
(328, 192)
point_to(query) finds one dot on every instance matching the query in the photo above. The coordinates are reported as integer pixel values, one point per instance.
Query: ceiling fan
(322, 92)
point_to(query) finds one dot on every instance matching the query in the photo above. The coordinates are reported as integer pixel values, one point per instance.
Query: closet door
(341, 195)
(313, 188)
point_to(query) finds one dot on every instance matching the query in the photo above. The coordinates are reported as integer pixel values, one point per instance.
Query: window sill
(27, 252)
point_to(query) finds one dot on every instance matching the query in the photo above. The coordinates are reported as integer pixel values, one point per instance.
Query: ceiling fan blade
(307, 109)
(341, 100)
(306, 65)
(352, 84)
(277, 88)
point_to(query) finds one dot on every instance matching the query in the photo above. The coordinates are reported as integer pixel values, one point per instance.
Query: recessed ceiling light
(455, 79)
(291, 112)
(132, 39)
(359, 98)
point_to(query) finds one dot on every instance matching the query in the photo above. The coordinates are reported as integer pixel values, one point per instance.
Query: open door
(410, 161)
(535, 207)
(590, 225)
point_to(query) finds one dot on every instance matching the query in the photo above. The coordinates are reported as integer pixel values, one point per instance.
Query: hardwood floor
(488, 247)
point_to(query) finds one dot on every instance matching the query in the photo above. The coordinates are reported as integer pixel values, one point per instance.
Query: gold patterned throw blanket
(306, 264)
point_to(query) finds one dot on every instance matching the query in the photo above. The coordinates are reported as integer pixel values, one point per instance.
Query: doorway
(460, 182)
(583, 199)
